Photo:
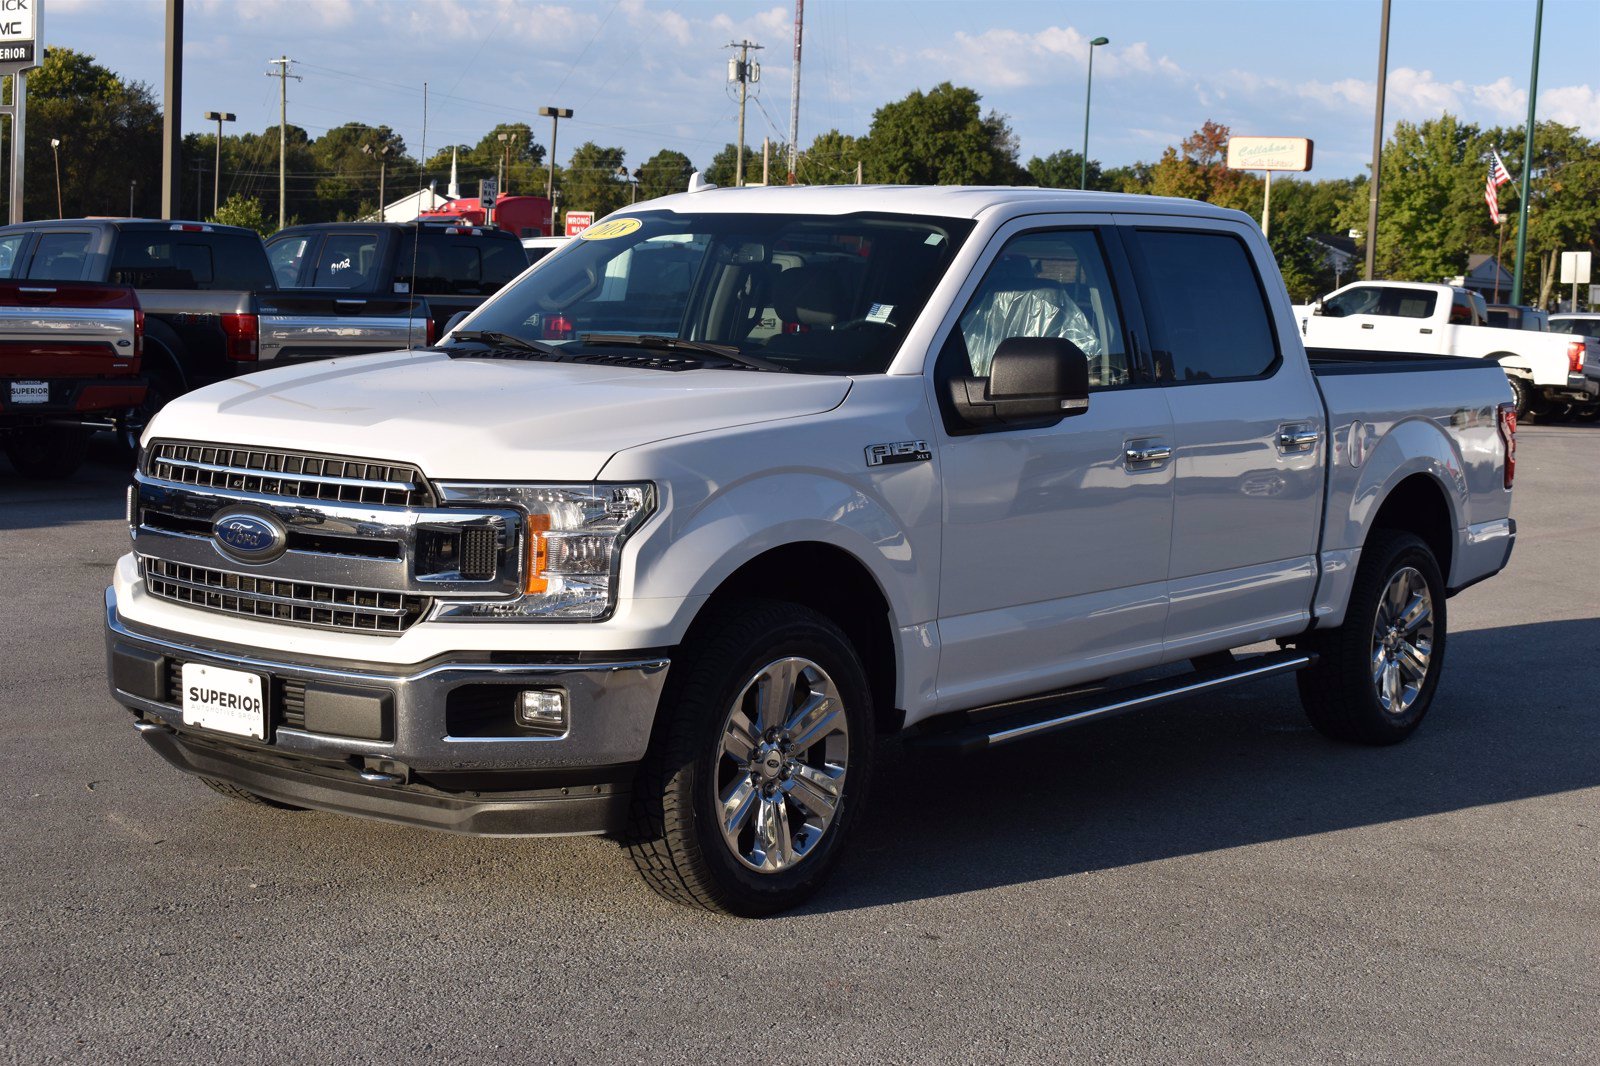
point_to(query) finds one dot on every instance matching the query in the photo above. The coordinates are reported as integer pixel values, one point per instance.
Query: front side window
(1047, 284)
(347, 261)
(60, 257)
(813, 294)
(10, 249)
(284, 255)
(1207, 306)
(1358, 301)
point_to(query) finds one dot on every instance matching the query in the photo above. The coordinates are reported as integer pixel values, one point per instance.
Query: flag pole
(1527, 160)
(1499, 250)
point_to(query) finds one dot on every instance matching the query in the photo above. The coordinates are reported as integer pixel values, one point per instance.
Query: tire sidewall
(813, 637)
(1406, 551)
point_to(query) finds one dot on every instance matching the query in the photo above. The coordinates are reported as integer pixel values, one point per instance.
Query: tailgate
(67, 329)
(301, 325)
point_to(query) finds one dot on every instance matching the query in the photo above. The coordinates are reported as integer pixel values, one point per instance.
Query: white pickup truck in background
(663, 537)
(1546, 370)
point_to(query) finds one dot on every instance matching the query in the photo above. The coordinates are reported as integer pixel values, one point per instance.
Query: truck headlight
(571, 540)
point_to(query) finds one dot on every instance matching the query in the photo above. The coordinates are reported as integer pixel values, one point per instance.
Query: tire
(1345, 697)
(1589, 412)
(234, 792)
(784, 842)
(1521, 395)
(164, 386)
(47, 453)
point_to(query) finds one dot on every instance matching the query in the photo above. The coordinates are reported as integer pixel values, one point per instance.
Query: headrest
(810, 295)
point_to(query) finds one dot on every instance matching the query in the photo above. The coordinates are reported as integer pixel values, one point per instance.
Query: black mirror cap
(455, 320)
(1039, 368)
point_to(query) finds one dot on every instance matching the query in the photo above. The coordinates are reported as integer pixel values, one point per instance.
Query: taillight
(138, 333)
(1574, 357)
(556, 328)
(1508, 437)
(431, 332)
(244, 336)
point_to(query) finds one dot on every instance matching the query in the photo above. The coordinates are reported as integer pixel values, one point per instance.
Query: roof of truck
(943, 201)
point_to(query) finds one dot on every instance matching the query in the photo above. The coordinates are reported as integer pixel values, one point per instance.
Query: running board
(1047, 715)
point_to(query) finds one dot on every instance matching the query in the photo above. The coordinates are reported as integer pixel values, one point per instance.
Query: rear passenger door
(1054, 562)
(1248, 430)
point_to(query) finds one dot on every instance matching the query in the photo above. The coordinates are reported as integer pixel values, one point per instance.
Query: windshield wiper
(679, 344)
(496, 339)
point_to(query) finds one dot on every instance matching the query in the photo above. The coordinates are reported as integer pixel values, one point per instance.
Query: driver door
(1056, 538)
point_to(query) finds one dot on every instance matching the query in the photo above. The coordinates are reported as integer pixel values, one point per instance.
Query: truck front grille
(294, 602)
(297, 475)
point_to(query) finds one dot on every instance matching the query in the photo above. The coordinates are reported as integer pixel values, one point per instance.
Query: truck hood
(484, 419)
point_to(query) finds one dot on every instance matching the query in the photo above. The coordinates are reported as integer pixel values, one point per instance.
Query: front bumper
(432, 744)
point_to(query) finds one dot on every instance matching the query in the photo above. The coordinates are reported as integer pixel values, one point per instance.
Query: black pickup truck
(212, 309)
(453, 266)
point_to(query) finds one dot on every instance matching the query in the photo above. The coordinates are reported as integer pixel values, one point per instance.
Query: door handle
(1425, 329)
(1145, 452)
(1367, 325)
(352, 302)
(1298, 438)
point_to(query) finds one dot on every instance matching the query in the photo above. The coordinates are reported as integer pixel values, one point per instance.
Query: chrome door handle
(1298, 438)
(1368, 325)
(1145, 453)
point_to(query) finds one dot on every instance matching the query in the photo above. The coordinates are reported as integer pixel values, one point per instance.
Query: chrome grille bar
(399, 486)
(291, 474)
(295, 602)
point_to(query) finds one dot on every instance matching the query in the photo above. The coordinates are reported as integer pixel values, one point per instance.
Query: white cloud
(1011, 59)
(1572, 105)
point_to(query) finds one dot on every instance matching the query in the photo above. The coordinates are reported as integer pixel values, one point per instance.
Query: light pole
(383, 151)
(219, 117)
(1527, 165)
(132, 184)
(1083, 170)
(55, 150)
(555, 115)
(507, 142)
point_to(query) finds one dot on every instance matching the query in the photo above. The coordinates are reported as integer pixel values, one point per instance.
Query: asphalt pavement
(1209, 881)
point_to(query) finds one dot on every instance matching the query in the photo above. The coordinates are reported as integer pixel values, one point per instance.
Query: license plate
(228, 701)
(30, 392)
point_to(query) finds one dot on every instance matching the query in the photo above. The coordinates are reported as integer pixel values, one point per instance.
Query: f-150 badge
(903, 451)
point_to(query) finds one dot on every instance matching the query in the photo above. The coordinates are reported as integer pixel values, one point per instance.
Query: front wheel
(47, 453)
(1378, 671)
(760, 765)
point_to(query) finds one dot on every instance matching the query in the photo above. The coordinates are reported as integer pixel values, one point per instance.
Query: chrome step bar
(990, 727)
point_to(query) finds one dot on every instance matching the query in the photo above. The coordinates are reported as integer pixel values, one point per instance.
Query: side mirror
(455, 320)
(1032, 381)
(1316, 308)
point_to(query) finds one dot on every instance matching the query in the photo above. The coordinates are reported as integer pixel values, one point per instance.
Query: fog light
(543, 711)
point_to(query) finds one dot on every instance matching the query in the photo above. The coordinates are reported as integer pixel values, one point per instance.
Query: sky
(652, 74)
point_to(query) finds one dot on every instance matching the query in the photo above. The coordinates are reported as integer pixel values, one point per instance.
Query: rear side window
(10, 250)
(60, 257)
(1207, 306)
(347, 261)
(151, 259)
(502, 261)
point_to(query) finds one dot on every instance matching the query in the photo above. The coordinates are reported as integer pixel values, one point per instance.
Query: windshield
(813, 294)
(1583, 327)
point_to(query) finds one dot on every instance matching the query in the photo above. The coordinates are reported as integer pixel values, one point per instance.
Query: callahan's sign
(1269, 153)
(17, 31)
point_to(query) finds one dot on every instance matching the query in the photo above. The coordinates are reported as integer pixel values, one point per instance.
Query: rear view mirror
(455, 320)
(1032, 381)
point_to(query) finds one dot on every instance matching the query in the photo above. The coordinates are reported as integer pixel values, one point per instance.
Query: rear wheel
(1521, 395)
(1377, 672)
(163, 386)
(234, 792)
(760, 766)
(45, 453)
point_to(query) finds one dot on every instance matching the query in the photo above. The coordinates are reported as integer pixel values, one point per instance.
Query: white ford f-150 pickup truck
(1546, 370)
(673, 530)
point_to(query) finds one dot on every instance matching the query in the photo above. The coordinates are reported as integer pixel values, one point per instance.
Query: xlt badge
(903, 451)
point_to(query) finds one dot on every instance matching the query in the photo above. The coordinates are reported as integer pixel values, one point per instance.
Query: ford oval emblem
(250, 538)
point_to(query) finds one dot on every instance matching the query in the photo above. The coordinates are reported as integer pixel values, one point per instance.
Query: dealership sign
(1269, 153)
(17, 29)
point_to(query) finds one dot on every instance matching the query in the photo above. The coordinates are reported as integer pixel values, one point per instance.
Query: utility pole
(555, 115)
(283, 76)
(1527, 166)
(794, 93)
(744, 72)
(383, 150)
(219, 117)
(1377, 145)
(172, 115)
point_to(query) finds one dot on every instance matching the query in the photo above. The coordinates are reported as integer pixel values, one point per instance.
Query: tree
(590, 181)
(1198, 170)
(941, 138)
(1063, 170)
(664, 173)
(110, 134)
(246, 212)
(722, 170)
(832, 159)
(1564, 199)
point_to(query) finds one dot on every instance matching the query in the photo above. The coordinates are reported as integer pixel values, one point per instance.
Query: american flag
(1498, 176)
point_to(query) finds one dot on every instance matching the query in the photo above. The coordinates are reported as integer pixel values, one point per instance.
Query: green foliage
(247, 212)
(590, 181)
(1064, 170)
(722, 170)
(941, 138)
(832, 159)
(110, 133)
(1198, 170)
(663, 174)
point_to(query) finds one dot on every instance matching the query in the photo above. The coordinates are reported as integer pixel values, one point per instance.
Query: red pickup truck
(69, 364)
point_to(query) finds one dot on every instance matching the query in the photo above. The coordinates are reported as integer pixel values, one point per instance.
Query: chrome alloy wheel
(1402, 641)
(781, 765)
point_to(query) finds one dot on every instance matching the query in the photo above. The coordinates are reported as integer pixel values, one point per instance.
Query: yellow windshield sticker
(605, 231)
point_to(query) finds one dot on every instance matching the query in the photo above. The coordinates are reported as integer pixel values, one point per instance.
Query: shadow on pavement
(95, 493)
(1228, 772)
